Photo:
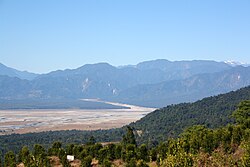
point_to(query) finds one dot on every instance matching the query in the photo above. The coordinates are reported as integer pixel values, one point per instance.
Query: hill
(170, 121)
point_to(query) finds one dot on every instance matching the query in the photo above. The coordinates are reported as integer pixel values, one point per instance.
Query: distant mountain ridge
(11, 72)
(187, 90)
(154, 83)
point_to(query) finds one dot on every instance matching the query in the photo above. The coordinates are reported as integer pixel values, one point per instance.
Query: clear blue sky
(44, 35)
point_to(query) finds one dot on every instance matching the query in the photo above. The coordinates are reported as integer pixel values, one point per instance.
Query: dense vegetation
(196, 146)
(170, 121)
(14, 142)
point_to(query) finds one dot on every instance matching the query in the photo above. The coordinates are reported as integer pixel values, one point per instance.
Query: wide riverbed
(25, 121)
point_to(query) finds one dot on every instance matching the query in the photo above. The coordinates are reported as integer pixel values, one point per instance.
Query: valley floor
(25, 121)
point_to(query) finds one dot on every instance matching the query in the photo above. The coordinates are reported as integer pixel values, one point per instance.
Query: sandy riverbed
(24, 121)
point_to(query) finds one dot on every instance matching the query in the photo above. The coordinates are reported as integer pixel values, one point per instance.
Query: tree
(246, 157)
(57, 145)
(69, 149)
(38, 150)
(64, 161)
(129, 138)
(142, 163)
(102, 154)
(40, 156)
(106, 163)
(142, 153)
(10, 159)
(91, 141)
(24, 156)
(55, 150)
(130, 152)
(131, 163)
(111, 151)
(153, 154)
(118, 151)
(86, 162)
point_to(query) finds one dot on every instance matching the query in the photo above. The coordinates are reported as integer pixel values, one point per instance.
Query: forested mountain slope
(170, 121)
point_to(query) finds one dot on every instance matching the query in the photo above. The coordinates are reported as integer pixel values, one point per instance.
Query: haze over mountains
(154, 83)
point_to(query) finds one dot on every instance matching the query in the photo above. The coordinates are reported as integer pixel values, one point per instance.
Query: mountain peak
(236, 63)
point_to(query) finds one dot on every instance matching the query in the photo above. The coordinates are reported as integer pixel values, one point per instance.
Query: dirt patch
(75, 163)
(55, 161)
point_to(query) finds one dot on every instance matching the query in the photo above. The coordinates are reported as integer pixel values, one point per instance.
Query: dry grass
(20, 165)
(118, 163)
(75, 163)
(55, 161)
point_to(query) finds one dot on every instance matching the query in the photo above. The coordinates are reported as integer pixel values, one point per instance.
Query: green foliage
(40, 156)
(118, 151)
(91, 141)
(86, 162)
(142, 163)
(242, 114)
(38, 150)
(153, 154)
(198, 138)
(10, 159)
(94, 149)
(69, 149)
(15, 142)
(64, 161)
(246, 157)
(25, 157)
(106, 163)
(142, 153)
(129, 138)
(55, 149)
(131, 163)
(102, 154)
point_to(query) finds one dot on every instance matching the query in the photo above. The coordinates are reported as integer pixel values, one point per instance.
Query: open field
(25, 121)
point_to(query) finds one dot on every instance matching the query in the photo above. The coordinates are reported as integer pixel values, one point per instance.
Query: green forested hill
(170, 121)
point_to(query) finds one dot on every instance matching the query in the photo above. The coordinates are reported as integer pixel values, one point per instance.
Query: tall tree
(24, 156)
(129, 138)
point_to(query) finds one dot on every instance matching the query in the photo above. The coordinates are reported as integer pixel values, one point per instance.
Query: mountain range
(154, 83)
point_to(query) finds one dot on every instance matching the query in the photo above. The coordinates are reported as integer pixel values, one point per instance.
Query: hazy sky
(44, 35)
